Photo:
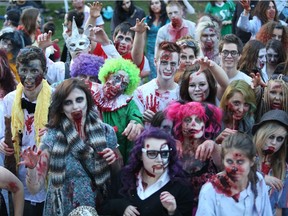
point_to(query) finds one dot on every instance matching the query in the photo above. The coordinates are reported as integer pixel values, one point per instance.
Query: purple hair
(135, 163)
(86, 64)
(210, 114)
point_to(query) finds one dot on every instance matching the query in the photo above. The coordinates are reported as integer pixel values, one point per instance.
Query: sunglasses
(152, 154)
(187, 43)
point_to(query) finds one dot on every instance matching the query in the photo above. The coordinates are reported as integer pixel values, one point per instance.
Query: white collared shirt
(144, 194)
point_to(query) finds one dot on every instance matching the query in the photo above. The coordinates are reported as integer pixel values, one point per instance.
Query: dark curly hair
(163, 14)
(135, 163)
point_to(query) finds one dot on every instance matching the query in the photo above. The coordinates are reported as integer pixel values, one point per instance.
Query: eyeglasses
(152, 154)
(233, 53)
(187, 43)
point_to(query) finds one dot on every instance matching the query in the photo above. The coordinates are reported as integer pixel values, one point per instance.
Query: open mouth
(270, 150)
(77, 115)
(276, 106)
(158, 167)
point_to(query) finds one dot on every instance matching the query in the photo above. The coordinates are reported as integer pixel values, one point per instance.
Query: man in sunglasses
(230, 49)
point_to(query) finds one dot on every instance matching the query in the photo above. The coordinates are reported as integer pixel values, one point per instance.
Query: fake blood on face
(77, 117)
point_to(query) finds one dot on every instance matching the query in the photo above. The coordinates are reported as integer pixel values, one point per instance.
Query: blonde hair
(278, 163)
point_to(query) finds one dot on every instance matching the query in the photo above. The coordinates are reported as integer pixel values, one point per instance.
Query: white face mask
(79, 42)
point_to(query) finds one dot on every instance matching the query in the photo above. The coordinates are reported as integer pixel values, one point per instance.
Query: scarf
(70, 141)
(40, 116)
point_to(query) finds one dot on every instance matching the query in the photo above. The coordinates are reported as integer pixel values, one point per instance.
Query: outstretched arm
(95, 11)
(218, 73)
(37, 168)
(139, 41)
(11, 183)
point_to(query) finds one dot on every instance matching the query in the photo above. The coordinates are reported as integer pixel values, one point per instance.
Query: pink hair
(210, 114)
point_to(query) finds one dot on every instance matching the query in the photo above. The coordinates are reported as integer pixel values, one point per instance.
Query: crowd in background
(159, 116)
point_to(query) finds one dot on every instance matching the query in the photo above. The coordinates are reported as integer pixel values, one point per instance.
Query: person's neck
(231, 72)
(32, 95)
(191, 141)
(165, 85)
(149, 178)
(270, 69)
(234, 124)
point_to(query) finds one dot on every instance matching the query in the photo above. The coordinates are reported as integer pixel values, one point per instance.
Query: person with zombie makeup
(207, 35)
(206, 82)
(230, 50)
(10, 182)
(270, 138)
(156, 94)
(272, 95)
(152, 182)
(27, 107)
(238, 104)
(178, 26)
(264, 12)
(78, 153)
(239, 189)
(195, 126)
(273, 30)
(189, 51)
(114, 100)
(253, 59)
(276, 54)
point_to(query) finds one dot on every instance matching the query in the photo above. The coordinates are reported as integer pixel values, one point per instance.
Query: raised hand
(168, 201)
(273, 182)
(204, 151)
(30, 157)
(109, 155)
(256, 81)
(204, 63)
(140, 26)
(95, 9)
(245, 4)
(45, 40)
(132, 130)
(98, 35)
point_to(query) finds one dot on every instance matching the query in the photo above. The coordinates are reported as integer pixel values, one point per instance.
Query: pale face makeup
(274, 141)
(155, 165)
(167, 64)
(193, 127)
(275, 95)
(75, 105)
(237, 165)
(261, 61)
(198, 87)
(78, 45)
(208, 38)
(237, 106)
(123, 42)
(175, 15)
(272, 57)
(116, 84)
(126, 5)
(187, 56)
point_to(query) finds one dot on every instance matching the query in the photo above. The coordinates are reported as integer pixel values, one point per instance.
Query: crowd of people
(159, 116)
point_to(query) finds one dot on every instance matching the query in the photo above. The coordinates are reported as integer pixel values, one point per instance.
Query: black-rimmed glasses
(152, 154)
(233, 53)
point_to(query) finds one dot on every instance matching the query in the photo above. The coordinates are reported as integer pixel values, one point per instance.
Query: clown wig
(86, 64)
(208, 113)
(114, 65)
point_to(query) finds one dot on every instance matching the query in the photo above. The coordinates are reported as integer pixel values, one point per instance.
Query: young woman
(30, 25)
(77, 150)
(195, 126)
(273, 30)
(239, 189)
(253, 59)
(156, 19)
(151, 182)
(276, 54)
(264, 12)
(204, 83)
(270, 138)
(238, 104)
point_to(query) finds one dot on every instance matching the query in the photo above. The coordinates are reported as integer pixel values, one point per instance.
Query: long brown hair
(29, 18)
(60, 94)
(260, 11)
